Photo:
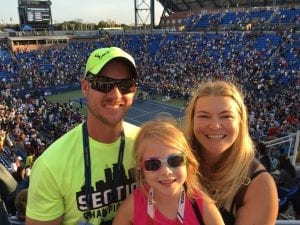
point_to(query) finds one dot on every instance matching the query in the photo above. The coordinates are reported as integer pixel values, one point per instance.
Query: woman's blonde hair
(166, 131)
(232, 170)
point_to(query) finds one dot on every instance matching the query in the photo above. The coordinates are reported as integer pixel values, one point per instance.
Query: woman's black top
(228, 216)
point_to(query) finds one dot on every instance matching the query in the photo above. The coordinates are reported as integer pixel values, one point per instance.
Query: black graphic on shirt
(102, 192)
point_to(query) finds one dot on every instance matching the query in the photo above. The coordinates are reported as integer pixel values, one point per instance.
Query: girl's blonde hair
(233, 169)
(167, 131)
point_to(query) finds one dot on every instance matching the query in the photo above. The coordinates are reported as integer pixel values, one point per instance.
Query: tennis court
(142, 111)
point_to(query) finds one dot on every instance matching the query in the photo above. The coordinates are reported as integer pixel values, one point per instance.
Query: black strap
(257, 173)
(87, 166)
(197, 212)
(239, 197)
(119, 168)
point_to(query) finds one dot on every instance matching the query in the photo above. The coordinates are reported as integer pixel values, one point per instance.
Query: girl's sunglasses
(174, 160)
(106, 84)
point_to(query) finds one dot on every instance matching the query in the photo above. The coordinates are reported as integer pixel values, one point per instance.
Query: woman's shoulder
(260, 201)
(261, 179)
(258, 176)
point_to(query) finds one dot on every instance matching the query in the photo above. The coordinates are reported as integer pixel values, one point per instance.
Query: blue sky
(93, 11)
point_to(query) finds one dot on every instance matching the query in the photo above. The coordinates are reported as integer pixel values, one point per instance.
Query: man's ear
(84, 87)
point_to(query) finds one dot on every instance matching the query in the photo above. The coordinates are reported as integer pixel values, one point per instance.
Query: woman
(217, 128)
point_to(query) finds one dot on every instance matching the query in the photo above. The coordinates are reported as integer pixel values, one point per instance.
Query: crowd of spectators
(178, 63)
(271, 88)
(30, 123)
(168, 64)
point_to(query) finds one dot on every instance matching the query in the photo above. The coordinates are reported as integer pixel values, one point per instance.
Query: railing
(287, 222)
(291, 140)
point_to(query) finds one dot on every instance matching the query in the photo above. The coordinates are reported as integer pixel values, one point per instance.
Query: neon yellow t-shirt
(57, 179)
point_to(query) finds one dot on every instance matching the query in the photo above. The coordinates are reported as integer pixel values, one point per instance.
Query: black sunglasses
(173, 161)
(106, 84)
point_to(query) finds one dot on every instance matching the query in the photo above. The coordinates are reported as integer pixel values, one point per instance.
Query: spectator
(20, 174)
(17, 161)
(263, 156)
(29, 160)
(167, 178)
(287, 173)
(217, 128)
(2, 139)
(8, 186)
(20, 204)
(95, 153)
(80, 102)
(3, 214)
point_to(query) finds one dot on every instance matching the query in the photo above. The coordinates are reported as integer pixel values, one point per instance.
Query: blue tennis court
(142, 111)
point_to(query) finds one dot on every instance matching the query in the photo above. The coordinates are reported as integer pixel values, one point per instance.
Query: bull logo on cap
(101, 55)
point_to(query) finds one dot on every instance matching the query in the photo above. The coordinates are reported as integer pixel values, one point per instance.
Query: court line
(162, 105)
(179, 110)
(138, 109)
(147, 113)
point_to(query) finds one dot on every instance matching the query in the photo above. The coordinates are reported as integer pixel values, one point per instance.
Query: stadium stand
(214, 44)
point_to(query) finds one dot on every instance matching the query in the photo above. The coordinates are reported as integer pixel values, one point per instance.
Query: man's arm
(44, 203)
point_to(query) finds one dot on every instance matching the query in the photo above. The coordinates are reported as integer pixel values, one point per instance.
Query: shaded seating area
(285, 197)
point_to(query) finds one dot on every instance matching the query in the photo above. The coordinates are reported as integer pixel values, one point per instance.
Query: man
(83, 176)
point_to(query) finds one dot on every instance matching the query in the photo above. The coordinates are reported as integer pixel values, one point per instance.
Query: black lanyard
(87, 166)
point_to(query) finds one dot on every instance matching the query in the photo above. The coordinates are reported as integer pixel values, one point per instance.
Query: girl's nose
(165, 168)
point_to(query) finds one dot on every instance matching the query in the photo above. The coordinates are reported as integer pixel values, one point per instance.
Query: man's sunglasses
(174, 160)
(106, 84)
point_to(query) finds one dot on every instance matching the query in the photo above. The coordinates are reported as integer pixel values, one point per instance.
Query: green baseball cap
(100, 57)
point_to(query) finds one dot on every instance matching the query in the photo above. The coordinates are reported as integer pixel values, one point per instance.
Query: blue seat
(282, 192)
(285, 196)
(292, 192)
(283, 204)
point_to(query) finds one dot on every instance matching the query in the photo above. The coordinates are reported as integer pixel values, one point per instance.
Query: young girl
(167, 179)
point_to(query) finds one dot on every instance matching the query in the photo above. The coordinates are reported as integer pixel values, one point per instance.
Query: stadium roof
(194, 5)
